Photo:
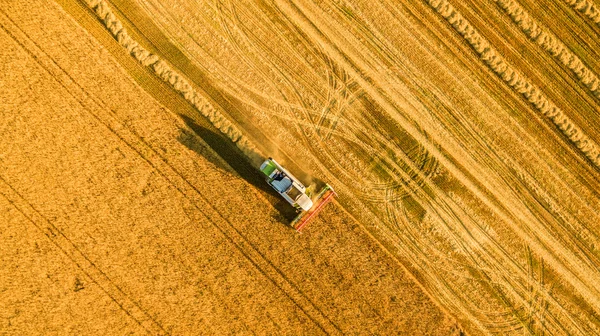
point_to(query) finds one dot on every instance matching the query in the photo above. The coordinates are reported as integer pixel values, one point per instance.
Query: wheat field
(461, 137)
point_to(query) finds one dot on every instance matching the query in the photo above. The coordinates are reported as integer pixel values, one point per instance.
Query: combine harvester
(293, 191)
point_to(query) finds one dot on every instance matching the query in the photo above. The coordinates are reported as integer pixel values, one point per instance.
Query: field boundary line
(165, 169)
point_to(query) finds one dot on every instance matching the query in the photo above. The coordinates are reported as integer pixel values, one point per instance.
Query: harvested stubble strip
(551, 44)
(165, 72)
(587, 8)
(517, 81)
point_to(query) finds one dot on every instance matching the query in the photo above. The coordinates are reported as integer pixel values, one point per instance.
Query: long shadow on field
(236, 160)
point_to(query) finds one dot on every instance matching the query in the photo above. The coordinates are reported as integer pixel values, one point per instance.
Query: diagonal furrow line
(448, 213)
(396, 170)
(516, 130)
(132, 308)
(177, 81)
(517, 81)
(59, 239)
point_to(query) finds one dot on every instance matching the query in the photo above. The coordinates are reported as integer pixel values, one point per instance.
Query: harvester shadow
(235, 159)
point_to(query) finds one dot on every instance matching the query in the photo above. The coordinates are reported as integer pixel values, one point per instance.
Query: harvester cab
(295, 193)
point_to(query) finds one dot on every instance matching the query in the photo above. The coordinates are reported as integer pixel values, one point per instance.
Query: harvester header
(295, 193)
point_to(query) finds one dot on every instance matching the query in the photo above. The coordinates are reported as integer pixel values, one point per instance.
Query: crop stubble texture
(551, 44)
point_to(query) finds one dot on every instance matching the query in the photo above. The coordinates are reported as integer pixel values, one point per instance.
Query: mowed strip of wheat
(113, 242)
(175, 246)
(551, 43)
(532, 59)
(330, 32)
(539, 150)
(575, 30)
(275, 130)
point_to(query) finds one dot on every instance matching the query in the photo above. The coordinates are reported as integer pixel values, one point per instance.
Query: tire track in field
(421, 248)
(413, 188)
(591, 216)
(492, 266)
(464, 245)
(334, 77)
(167, 50)
(586, 7)
(551, 44)
(423, 260)
(453, 17)
(61, 241)
(338, 87)
(342, 91)
(255, 47)
(231, 83)
(174, 177)
(304, 121)
(223, 31)
(261, 50)
(581, 283)
(514, 128)
(535, 306)
(300, 120)
(522, 132)
(574, 231)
